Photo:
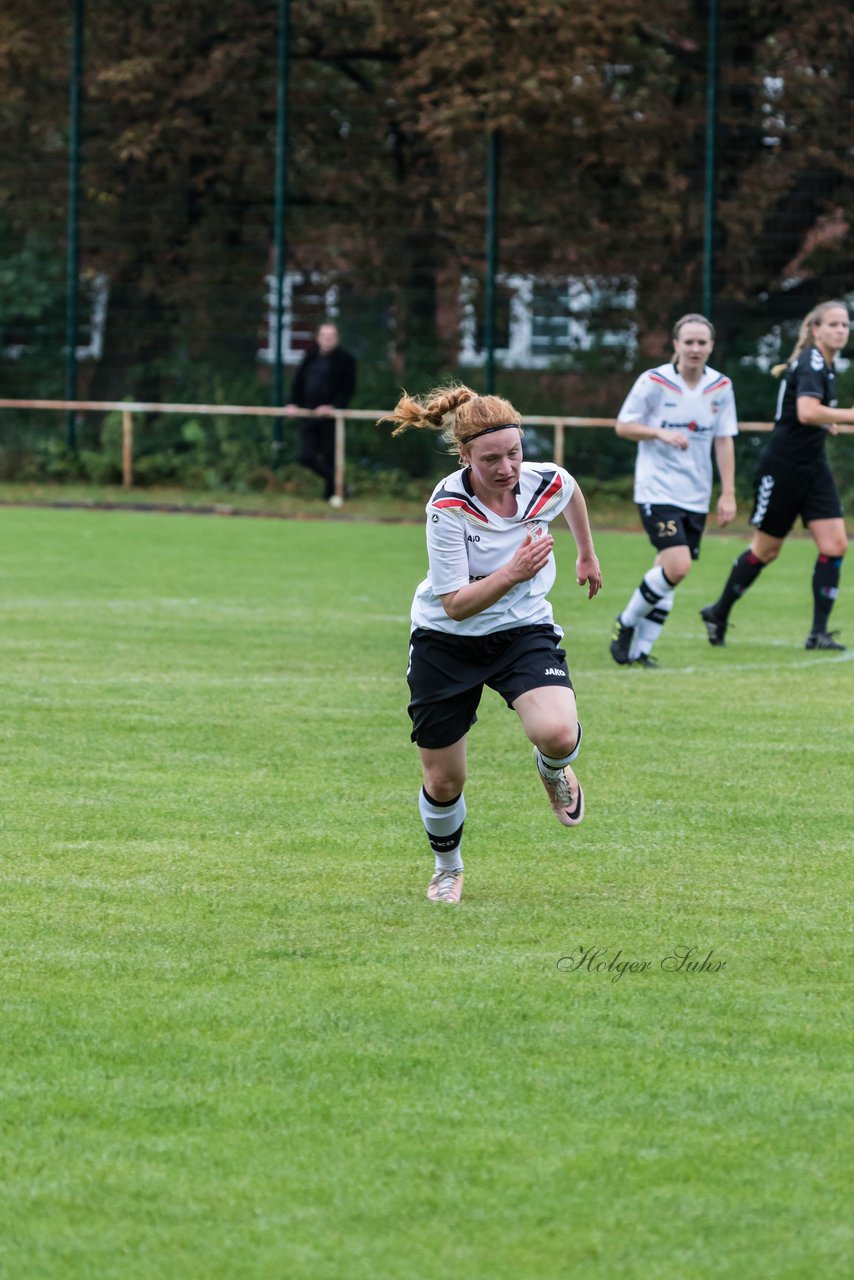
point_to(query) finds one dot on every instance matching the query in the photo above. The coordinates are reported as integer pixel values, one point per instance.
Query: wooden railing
(127, 408)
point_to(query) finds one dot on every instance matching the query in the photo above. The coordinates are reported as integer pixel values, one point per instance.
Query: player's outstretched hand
(726, 510)
(587, 571)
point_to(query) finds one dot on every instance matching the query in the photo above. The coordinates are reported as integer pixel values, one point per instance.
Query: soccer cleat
(823, 640)
(621, 642)
(446, 886)
(715, 626)
(645, 660)
(564, 792)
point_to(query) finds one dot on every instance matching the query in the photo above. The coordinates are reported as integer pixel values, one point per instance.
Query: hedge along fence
(128, 408)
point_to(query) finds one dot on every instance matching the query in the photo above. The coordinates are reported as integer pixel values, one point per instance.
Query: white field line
(726, 668)
(199, 678)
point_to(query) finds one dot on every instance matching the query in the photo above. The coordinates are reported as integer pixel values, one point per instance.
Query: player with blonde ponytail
(805, 336)
(793, 477)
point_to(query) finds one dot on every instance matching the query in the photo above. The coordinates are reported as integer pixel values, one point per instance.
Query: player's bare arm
(531, 557)
(815, 414)
(725, 459)
(587, 569)
(641, 431)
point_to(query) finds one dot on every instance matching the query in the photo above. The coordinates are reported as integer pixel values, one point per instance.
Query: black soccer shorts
(781, 493)
(673, 527)
(447, 674)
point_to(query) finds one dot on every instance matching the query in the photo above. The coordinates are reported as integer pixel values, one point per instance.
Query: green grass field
(238, 1043)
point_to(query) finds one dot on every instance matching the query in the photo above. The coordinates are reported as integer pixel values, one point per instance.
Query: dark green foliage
(601, 113)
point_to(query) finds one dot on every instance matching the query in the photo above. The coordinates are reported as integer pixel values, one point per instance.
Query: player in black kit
(794, 479)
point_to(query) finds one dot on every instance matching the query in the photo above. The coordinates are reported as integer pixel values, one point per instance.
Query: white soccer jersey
(466, 542)
(661, 398)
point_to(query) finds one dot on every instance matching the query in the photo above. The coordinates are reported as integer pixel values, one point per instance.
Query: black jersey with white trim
(791, 440)
(466, 541)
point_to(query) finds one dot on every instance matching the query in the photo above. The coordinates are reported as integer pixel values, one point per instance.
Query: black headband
(487, 431)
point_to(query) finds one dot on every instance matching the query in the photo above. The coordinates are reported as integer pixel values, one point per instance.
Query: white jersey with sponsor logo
(466, 542)
(661, 398)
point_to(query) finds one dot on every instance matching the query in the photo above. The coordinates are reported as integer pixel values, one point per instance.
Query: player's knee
(562, 740)
(677, 565)
(444, 784)
(766, 554)
(834, 547)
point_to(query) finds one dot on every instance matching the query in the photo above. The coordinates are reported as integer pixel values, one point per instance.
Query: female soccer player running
(482, 617)
(793, 477)
(675, 412)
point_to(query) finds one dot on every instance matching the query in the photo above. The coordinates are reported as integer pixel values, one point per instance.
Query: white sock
(444, 825)
(648, 629)
(653, 587)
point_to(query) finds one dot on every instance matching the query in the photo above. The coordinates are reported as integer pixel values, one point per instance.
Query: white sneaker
(564, 792)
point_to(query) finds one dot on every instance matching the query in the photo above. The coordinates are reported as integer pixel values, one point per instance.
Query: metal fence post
(281, 183)
(493, 161)
(710, 194)
(73, 267)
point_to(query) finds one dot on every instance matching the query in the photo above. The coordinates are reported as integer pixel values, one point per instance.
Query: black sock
(825, 584)
(743, 574)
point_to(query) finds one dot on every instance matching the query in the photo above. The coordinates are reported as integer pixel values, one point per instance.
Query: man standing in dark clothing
(324, 382)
